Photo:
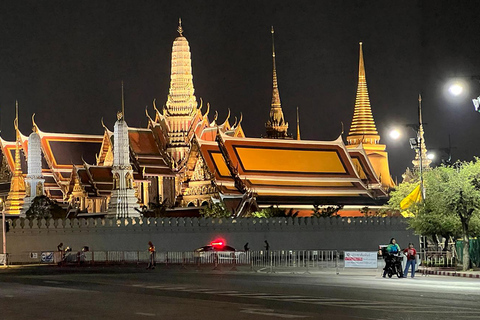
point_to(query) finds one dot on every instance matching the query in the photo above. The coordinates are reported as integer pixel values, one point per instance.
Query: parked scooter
(393, 265)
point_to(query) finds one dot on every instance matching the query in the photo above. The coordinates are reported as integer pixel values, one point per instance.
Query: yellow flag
(414, 197)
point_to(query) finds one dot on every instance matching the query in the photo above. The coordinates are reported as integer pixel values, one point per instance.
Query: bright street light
(455, 89)
(395, 134)
(431, 156)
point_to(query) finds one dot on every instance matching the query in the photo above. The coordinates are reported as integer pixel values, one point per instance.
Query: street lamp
(4, 236)
(459, 88)
(416, 143)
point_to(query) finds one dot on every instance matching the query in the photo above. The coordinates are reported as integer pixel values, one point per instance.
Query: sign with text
(361, 259)
(3, 258)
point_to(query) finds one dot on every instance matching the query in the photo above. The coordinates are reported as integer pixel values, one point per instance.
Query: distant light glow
(395, 134)
(217, 243)
(431, 156)
(456, 89)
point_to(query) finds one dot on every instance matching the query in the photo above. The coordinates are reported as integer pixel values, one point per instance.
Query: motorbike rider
(392, 248)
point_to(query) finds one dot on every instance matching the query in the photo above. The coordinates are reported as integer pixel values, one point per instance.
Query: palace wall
(187, 234)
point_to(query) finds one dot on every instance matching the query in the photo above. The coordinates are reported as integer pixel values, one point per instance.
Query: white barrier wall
(186, 234)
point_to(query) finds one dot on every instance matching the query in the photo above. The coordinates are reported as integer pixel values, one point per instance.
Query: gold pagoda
(363, 131)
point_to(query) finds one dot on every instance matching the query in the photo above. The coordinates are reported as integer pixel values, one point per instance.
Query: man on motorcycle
(392, 248)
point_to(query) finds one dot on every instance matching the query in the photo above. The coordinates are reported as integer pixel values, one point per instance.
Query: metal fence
(258, 259)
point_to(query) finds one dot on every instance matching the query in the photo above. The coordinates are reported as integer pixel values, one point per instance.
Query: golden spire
(14, 202)
(180, 29)
(275, 94)
(123, 102)
(363, 129)
(276, 125)
(423, 147)
(298, 126)
(181, 106)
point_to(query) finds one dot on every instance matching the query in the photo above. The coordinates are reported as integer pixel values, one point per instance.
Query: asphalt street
(131, 292)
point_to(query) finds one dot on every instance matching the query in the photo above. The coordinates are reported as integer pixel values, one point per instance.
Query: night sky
(65, 60)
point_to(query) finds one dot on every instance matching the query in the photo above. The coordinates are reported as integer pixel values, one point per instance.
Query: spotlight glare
(455, 89)
(395, 134)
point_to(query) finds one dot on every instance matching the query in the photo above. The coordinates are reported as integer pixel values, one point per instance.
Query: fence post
(271, 261)
(336, 261)
(215, 262)
(308, 262)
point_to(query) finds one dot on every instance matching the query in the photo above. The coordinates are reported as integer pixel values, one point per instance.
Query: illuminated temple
(184, 159)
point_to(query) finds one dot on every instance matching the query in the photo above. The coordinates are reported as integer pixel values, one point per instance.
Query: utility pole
(4, 234)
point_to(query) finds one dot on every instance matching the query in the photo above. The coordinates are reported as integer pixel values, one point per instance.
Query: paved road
(135, 293)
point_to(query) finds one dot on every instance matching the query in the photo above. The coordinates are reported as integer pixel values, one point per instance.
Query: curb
(452, 274)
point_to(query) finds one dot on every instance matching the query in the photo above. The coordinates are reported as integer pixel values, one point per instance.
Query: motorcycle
(393, 265)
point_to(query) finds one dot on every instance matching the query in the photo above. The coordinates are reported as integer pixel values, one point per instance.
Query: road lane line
(272, 313)
(146, 314)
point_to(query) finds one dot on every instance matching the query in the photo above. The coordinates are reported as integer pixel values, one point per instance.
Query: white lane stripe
(145, 314)
(249, 294)
(272, 313)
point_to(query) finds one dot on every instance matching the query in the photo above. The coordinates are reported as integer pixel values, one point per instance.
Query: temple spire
(123, 103)
(298, 126)
(14, 202)
(276, 125)
(421, 139)
(181, 107)
(363, 129)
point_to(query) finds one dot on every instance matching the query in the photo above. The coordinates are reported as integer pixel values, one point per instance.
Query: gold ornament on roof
(180, 29)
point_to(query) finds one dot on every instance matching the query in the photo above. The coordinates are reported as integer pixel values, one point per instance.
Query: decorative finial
(15, 122)
(298, 126)
(123, 101)
(34, 125)
(420, 120)
(180, 29)
(273, 44)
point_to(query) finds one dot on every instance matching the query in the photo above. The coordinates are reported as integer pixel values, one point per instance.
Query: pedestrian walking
(411, 259)
(245, 247)
(267, 245)
(151, 250)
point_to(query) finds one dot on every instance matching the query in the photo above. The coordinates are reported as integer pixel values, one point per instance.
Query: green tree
(43, 207)
(216, 210)
(275, 211)
(452, 203)
(330, 211)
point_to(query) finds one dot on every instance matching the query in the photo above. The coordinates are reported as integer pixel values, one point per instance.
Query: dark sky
(64, 60)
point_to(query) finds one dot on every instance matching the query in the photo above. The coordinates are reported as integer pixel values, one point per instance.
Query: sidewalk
(452, 273)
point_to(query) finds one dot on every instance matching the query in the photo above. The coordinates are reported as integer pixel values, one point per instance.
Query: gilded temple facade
(182, 159)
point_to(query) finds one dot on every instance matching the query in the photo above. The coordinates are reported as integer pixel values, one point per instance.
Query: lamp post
(416, 143)
(4, 236)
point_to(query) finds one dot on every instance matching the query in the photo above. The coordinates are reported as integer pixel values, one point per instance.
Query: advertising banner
(361, 259)
(3, 258)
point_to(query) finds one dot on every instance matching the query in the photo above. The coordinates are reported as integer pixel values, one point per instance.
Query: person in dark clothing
(151, 250)
(392, 248)
(245, 247)
(267, 245)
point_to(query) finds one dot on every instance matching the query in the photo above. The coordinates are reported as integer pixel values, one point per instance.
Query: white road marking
(272, 313)
(146, 314)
